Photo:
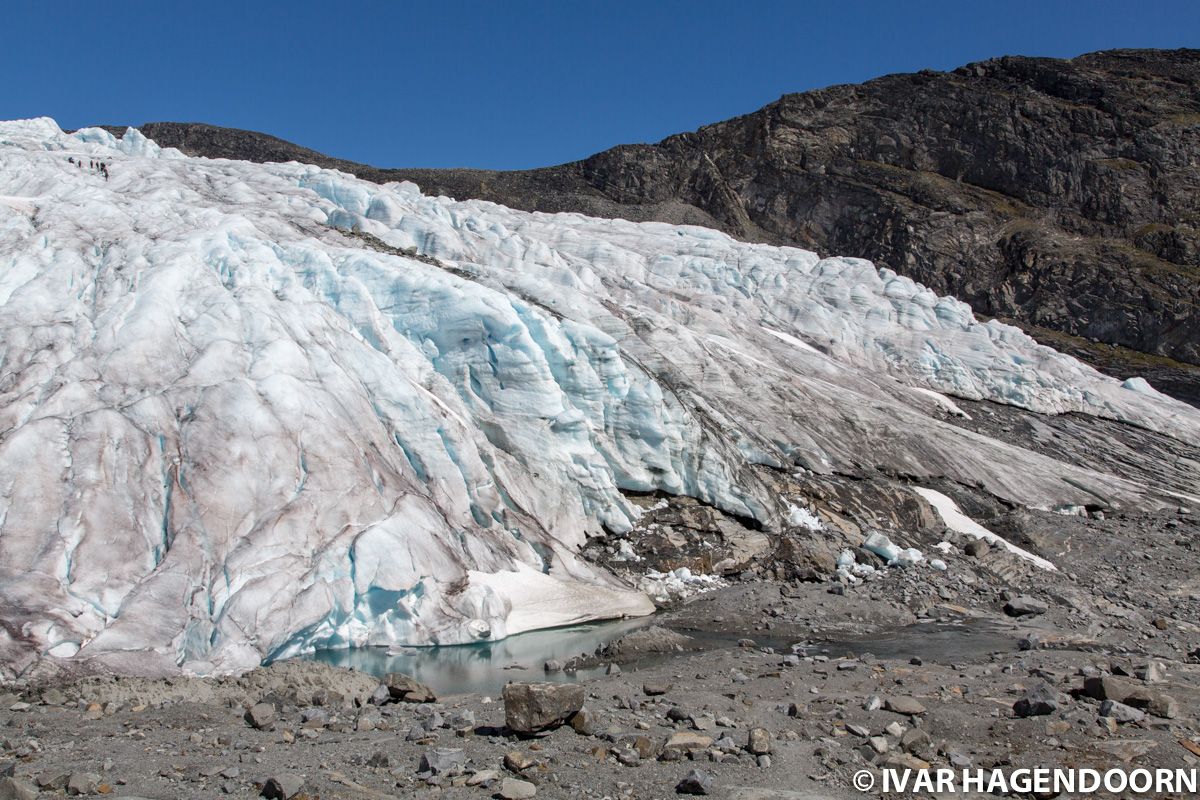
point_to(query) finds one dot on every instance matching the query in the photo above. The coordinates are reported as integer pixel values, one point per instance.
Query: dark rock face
(1061, 195)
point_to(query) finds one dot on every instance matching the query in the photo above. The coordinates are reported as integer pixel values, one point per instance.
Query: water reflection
(485, 667)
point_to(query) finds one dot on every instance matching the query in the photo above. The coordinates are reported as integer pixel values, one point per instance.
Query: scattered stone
(553, 665)
(261, 716)
(628, 758)
(515, 789)
(1025, 606)
(1153, 672)
(976, 548)
(584, 722)
(533, 707)
(483, 777)
(518, 761)
(462, 720)
(14, 789)
(1030, 641)
(1120, 690)
(283, 786)
(1121, 712)
(907, 706)
(679, 714)
(683, 742)
(902, 761)
(1127, 750)
(758, 741)
(1038, 701)
(655, 689)
(443, 761)
(695, 782)
(917, 742)
(879, 744)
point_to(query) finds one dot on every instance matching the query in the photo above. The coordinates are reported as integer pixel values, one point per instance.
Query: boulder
(443, 761)
(283, 786)
(261, 716)
(404, 689)
(1025, 606)
(1121, 712)
(758, 741)
(1140, 697)
(515, 789)
(534, 707)
(1038, 701)
(584, 722)
(695, 782)
(909, 706)
(681, 743)
(82, 783)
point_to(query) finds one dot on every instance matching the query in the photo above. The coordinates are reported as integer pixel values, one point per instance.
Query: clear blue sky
(508, 84)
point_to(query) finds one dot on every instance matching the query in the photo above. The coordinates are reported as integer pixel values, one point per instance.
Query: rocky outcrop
(1060, 195)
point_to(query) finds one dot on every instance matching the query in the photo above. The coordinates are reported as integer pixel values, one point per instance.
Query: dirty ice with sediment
(251, 410)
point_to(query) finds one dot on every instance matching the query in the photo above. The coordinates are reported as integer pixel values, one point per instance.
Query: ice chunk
(804, 518)
(1139, 385)
(678, 584)
(908, 557)
(882, 546)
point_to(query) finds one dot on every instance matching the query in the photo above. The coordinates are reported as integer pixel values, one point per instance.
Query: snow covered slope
(237, 421)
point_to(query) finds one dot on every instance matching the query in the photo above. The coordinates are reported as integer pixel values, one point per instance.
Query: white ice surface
(233, 429)
(957, 521)
(534, 600)
(941, 400)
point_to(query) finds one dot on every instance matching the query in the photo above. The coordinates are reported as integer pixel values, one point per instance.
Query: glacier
(249, 410)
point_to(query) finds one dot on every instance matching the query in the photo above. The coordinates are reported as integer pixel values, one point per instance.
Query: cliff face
(1060, 195)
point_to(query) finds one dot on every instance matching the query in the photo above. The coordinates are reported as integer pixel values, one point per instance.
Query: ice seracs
(250, 410)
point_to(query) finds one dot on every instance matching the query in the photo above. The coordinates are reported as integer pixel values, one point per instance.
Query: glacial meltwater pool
(485, 667)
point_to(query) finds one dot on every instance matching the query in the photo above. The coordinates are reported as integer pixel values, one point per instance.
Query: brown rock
(533, 707)
(404, 689)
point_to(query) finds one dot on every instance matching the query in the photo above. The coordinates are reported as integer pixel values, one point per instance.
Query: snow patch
(945, 403)
(957, 521)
